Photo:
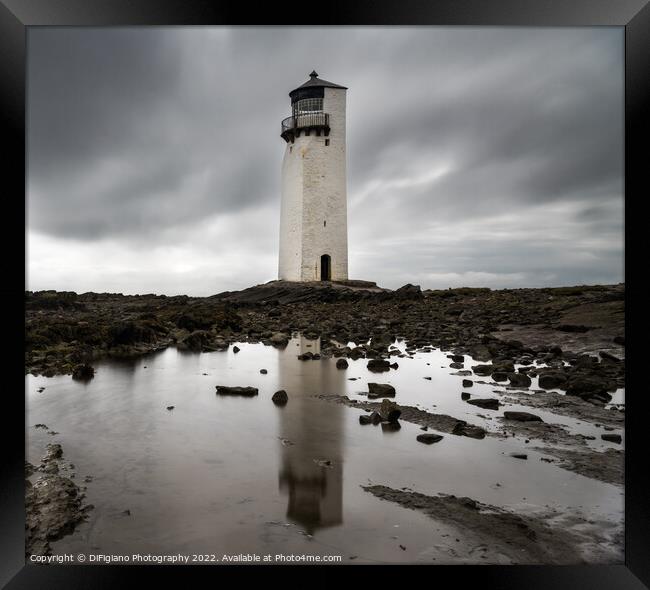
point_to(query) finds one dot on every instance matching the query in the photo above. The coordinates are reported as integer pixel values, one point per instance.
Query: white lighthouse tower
(313, 219)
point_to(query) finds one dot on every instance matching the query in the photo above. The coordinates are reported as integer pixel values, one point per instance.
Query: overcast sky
(476, 156)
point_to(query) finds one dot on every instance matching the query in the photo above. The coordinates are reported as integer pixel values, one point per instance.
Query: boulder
(500, 376)
(483, 370)
(389, 411)
(197, 341)
(341, 364)
(375, 417)
(467, 383)
(465, 396)
(573, 328)
(519, 379)
(280, 398)
(378, 365)
(409, 291)
(485, 403)
(588, 388)
(615, 438)
(83, 372)
(462, 428)
(279, 339)
(376, 390)
(552, 380)
(429, 438)
(356, 353)
(244, 391)
(522, 417)
(365, 419)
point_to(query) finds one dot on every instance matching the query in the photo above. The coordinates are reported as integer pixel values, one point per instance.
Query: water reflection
(312, 439)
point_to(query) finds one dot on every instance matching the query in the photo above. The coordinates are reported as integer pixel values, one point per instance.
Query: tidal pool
(228, 475)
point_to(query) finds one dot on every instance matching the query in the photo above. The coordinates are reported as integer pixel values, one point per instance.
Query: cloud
(478, 156)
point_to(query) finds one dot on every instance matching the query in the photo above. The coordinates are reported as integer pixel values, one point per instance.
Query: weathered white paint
(313, 218)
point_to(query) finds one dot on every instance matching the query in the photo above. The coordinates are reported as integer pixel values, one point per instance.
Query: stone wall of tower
(290, 258)
(314, 200)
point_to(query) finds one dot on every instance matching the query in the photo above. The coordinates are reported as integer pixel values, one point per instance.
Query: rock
(280, 398)
(552, 380)
(365, 419)
(378, 365)
(483, 370)
(376, 390)
(458, 358)
(341, 364)
(588, 388)
(197, 341)
(619, 340)
(465, 396)
(409, 291)
(375, 417)
(236, 349)
(389, 411)
(170, 407)
(463, 429)
(356, 353)
(572, 328)
(486, 403)
(499, 376)
(467, 383)
(263, 371)
(244, 391)
(615, 438)
(390, 426)
(606, 356)
(519, 379)
(306, 356)
(522, 417)
(279, 339)
(456, 365)
(428, 378)
(519, 455)
(54, 451)
(480, 353)
(429, 438)
(83, 372)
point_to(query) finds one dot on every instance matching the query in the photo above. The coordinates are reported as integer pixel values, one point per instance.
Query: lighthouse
(313, 217)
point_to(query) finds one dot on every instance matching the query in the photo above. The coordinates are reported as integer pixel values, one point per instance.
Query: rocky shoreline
(572, 339)
(54, 503)
(64, 329)
(499, 535)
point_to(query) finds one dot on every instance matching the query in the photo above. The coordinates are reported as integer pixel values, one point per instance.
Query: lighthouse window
(308, 105)
(327, 142)
(324, 223)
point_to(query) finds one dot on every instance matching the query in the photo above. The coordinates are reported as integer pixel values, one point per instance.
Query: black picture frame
(17, 15)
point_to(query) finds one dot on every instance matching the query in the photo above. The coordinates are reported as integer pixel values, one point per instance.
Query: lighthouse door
(325, 270)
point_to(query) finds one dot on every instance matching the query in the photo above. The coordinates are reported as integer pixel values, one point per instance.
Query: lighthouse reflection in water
(312, 439)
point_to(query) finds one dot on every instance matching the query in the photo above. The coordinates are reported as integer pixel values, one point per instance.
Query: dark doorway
(325, 268)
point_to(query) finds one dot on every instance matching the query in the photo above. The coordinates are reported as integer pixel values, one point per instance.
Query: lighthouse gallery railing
(305, 120)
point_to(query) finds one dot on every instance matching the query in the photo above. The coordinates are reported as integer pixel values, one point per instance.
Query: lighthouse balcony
(316, 122)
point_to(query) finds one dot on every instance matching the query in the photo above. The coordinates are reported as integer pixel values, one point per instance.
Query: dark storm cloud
(475, 156)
